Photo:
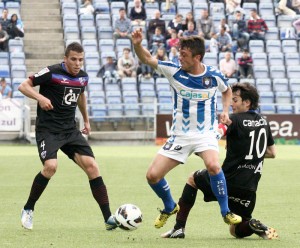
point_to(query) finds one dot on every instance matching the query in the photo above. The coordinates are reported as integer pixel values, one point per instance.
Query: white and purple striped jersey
(194, 98)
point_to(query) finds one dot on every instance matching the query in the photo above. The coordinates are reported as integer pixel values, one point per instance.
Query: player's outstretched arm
(270, 152)
(83, 110)
(26, 87)
(143, 54)
(226, 99)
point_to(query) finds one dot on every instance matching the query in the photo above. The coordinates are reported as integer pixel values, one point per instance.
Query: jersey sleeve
(232, 126)
(270, 140)
(167, 68)
(41, 77)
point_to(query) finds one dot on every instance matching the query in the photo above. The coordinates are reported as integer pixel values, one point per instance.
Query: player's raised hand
(45, 103)
(224, 118)
(137, 36)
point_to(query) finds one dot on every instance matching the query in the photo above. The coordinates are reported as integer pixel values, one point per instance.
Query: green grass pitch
(67, 215)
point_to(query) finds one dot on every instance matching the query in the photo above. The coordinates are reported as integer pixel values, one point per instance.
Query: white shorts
(181, 147)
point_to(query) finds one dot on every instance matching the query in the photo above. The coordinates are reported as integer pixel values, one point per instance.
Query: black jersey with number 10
(63, 90)
(247, 139)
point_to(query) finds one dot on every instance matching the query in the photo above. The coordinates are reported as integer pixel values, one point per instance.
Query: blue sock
(162, 189)
(219, 188)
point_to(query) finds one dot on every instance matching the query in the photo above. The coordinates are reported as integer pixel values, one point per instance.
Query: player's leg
(160, 166)
(186, 202)
(98, 188)
(47, 148)
(218, 184)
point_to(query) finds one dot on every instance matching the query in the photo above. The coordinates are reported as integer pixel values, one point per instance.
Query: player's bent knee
(232, 231)
(152, 177)
(191, 180)
(49, 169)
(213, 169)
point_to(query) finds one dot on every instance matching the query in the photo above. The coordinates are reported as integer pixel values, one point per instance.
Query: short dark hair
(3, 80)
(195, 43)
(247, 92)
(74, 46)
(120, 9)
(254, 10)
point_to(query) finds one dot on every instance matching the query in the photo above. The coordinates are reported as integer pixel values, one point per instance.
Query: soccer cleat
(111, 224)
(161, 220)
(262, 230)
(232, 219)
(174, 234)
(27, 218)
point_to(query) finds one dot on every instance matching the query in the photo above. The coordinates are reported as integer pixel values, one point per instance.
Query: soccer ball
(128, 217)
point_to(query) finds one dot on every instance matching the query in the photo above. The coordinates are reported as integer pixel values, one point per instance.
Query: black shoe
(262, 230)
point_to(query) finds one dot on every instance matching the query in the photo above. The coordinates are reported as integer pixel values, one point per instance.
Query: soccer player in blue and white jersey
(194, 87)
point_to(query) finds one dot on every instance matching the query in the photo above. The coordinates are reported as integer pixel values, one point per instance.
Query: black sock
(39, 184)
(100, 194)
(243, 229)
(186, 202)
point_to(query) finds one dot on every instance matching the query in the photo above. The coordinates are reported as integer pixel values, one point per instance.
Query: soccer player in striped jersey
(194, 86)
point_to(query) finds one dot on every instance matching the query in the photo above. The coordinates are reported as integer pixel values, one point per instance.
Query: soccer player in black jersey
(249, 141)
(61, 91)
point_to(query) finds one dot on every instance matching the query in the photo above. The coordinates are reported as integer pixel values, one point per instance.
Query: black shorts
(70, 143)
(241, 202)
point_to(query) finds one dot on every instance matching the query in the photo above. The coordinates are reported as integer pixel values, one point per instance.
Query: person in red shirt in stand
(245, 65)
(257, 26)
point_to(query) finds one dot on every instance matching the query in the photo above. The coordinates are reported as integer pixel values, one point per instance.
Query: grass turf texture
(67, 215)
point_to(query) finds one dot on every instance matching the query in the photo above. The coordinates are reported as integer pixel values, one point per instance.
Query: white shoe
(27, 219)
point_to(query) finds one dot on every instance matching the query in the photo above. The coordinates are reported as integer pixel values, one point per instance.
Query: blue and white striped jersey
(194, 98)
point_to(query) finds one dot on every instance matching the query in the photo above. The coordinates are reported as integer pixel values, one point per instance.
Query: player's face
(187, 60)
(74, 62)
(237, 104)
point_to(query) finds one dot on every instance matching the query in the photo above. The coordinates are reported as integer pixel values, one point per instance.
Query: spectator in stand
(231, 6)
(4, 19)
(188, 18)
(296, 25)
(175, 24)
(285, 7)
(138, 14)
(154, 23)
(223, 22)
(296, 6)
(205, 25)
(86, 8)
(5, 89)
(15, 28)
(239, 31)
(126, 64)
(109, 71)
(173, 41)
(190, 31)
(174, 56)
(257, 26)
(122, 26)
(3, 40)
(245, 65)
(224, 40)
(157, 40)
(228, 66)
(213, 44)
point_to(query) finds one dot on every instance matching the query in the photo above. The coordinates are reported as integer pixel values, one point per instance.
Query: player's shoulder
(214, 72)
(169, 64)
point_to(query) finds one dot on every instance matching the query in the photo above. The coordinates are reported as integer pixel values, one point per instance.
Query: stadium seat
(13, 8)
(98, 113)
(70, 20)
(163, 87)
(15, 45)
(96, 94)
(270, 20)
(16, 82)
(273, 46)
(103, 20)
(113, 97)
(148, 96)
(148, 110)
(265, 9)
(164, 96)
(146, 86)
(289, 46)
(267, 102)
(198, 7)
(90, 45)
(284, 21)
(184, 7)
(86, 20)
(280, 84)
(105, 32)
(4, 71)
(296, 100)
(69, 8)
(92, 58)
(104, 55)
(130, 96)
(88, 33)
(115, 7)
(285, 109)
(216, 8)
(259, 59)
(294, 84)
(112, 87)
(4, 58)
(95, 84)
(132, 110)
(165, 108)
(115, 111)
(102, 6)
(122, 43)
(277, 71)
(261, 71)
(276, 59)
(264, 84)
(267, 109)
(211, 59)
(256, 46)
(283, 97)
(293, 71)
(106, 45)
(272, 33)
(92, 70)
(292, 59)
(18, 71)
(71, 33)
(17, 58)
(129, 83)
